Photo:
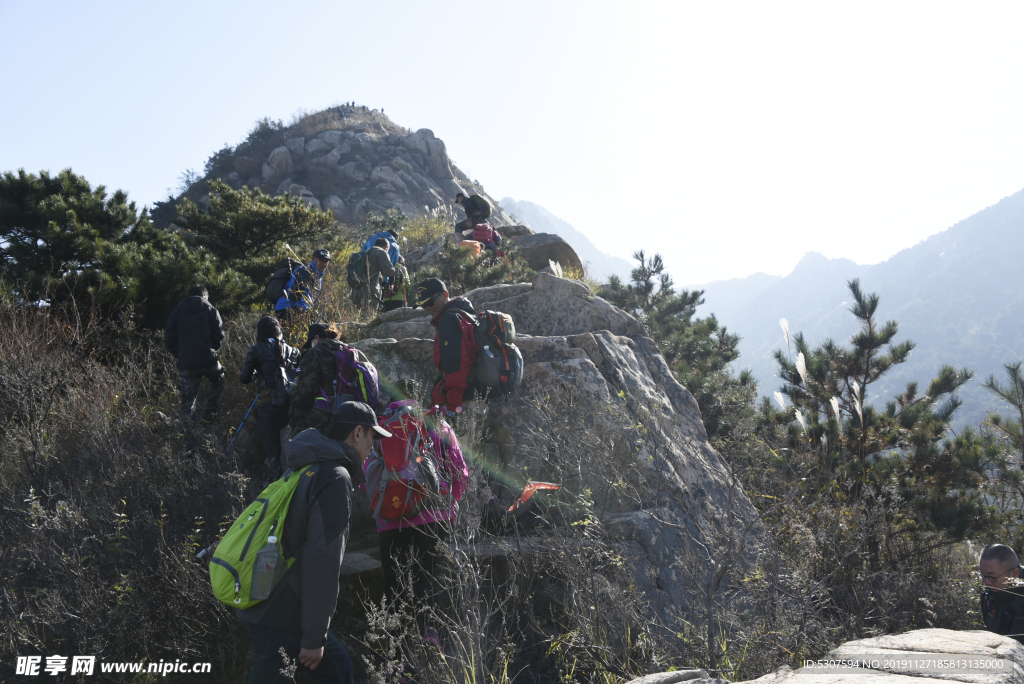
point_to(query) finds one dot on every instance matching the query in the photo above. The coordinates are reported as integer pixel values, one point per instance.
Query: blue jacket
(303, 287)
(393, 251)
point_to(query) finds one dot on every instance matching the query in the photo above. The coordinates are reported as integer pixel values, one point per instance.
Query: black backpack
(275, 288)
(357, 270)
(481, 207)
(500, 363)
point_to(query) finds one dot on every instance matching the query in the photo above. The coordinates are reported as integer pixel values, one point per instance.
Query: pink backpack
(482, 232)
(402, 474)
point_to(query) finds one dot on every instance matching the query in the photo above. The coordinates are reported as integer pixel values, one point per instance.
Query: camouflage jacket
(318, 368)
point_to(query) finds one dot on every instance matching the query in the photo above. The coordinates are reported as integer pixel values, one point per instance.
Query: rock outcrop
(361, 163)
(918, 657)
(539, 249)
(586, 356)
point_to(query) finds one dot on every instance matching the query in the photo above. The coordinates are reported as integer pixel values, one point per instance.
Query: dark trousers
(392, 304)
(189, 382)
(335, 667)
(416, 550)
(273, 419)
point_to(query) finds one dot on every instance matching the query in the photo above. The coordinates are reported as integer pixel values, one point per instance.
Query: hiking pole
(235, 436)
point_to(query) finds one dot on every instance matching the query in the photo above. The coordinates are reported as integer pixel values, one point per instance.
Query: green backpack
(233, 563)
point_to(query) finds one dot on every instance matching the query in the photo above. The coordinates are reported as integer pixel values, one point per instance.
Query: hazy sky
(731, 137)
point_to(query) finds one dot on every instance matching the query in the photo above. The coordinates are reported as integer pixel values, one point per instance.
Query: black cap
(315, 330)
(428, 289)
(322, 254)
(354, 413)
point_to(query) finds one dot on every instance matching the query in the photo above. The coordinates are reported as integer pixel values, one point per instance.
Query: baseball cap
(322, 254)
(315, 330)
(355, 413)
(427, 289)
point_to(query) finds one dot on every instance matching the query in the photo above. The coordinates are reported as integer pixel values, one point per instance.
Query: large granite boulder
(335, 204)
(278, 165)
(296, 147)
(592, 379)
(540, 248)
(923, 656)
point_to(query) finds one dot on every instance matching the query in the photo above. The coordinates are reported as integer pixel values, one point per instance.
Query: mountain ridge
(601, 265)
(958, 294)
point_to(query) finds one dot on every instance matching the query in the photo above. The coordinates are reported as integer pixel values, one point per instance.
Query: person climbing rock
(297, 615)
(393, 249)
(477, 211)
(193, 334)
(396, 296)
(455, 345)
(304, 286)
(378, 267)
(318, 374)
(271, 359)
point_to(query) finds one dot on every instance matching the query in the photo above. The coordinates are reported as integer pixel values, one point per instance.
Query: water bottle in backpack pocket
(237, 576)
(267, 570)
(500, 363)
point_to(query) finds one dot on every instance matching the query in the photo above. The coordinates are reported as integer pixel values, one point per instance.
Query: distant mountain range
(958, 294)
(541, 220)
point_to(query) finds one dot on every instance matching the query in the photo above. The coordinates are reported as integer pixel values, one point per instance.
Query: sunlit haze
(730, 137)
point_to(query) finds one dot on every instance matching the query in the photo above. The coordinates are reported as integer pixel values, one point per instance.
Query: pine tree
(904, 456)
(244, 224)
(698, 351)
(1012, 394)
(54, 226)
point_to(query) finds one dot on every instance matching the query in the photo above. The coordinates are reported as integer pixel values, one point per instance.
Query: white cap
(271, 540)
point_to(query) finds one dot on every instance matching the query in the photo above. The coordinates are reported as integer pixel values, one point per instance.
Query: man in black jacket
(193, 335)
(297, 615)
(274, 361)
(477, 210)
(1002, 600)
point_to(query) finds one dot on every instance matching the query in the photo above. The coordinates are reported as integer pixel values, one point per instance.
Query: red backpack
(402, 474)
(482, 232)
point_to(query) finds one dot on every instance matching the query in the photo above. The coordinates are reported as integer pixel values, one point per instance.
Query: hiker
(392, 248)
(297, 615)
(271, 359)
(410, 543)
(304, 285)
(193, 334)
(1002, 602)
(377, 266)
(316, 389)
(455, 345)
(317, 369)
(477, 211)
(487, 236)
(396, 296)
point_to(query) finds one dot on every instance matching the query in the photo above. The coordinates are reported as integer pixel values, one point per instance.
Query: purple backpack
(356, 377)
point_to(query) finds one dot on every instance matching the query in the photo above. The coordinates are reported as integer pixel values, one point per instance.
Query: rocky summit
(352, 161)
